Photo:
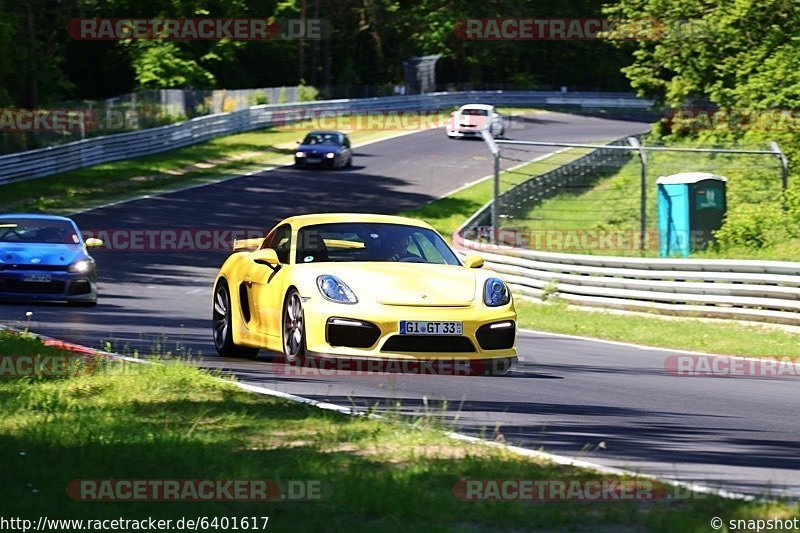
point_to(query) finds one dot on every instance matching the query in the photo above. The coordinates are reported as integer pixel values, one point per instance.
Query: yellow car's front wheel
(294, 328)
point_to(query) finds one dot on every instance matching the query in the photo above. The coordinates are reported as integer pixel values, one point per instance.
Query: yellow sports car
(362, 287)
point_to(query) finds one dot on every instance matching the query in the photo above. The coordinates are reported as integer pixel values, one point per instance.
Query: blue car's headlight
(80, 267)
(335, 290)
(495, 292)
(330, 155)
(299, 154)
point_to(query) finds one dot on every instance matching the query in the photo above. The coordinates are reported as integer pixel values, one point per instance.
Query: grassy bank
(713, 336)
(756, 226)
(177, 422)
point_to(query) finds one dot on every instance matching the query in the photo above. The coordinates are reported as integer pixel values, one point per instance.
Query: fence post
(784, 164)
(634, 142)
(784, 171)
(495, 206)
(489, 140)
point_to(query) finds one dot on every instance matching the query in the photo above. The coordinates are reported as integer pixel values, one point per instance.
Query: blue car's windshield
(352, 241)
(37, 231)
(330, 139)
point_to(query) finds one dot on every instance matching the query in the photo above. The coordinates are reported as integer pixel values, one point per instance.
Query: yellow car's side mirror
(473, 261)
(93, 242)
(265, 256)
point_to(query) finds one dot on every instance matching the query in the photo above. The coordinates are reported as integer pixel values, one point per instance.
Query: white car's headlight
(300, 154)
(330, 155)
(495, 292)
(80, 267)
(335, 290)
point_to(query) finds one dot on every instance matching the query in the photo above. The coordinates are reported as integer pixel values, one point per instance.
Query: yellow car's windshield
(349, 241)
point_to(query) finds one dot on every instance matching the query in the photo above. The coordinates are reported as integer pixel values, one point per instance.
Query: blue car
(329, 149)
(44, 257)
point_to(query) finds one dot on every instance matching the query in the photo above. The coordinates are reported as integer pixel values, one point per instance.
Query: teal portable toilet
(691, 206)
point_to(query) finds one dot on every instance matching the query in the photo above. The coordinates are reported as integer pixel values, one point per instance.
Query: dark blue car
(44, 257)
(329, 149)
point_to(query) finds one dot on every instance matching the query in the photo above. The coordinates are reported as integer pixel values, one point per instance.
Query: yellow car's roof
(329, 218)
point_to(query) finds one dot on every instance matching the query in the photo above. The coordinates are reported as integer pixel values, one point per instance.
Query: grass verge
(128, 421)
(720, 337)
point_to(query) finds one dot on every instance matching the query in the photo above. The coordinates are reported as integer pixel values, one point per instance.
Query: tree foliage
(738, 54)
(370, 39)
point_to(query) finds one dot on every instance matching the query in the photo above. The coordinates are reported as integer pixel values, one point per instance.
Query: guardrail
(47, 161)
(762, 291)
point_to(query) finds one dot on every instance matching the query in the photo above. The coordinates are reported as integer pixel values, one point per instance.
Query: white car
(470, 119)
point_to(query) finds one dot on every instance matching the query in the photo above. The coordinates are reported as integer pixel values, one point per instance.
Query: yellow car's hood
(404, 283)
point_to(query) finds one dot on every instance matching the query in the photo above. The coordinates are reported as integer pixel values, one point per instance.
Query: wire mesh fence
(590, 200)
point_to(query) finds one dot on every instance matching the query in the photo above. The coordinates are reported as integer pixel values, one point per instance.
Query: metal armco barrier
(764, 291)
(47, 161)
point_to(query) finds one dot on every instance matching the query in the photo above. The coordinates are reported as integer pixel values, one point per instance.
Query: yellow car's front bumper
(381, 323)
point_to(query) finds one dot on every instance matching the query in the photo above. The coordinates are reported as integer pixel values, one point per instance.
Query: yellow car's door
(269, 283)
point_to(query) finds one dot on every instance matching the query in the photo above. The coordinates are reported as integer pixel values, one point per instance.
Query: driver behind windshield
(321, 139)
(37, 231)
(396, 245)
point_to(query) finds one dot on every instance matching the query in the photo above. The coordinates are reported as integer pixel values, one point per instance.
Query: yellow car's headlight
(335, 290)
(495, 292)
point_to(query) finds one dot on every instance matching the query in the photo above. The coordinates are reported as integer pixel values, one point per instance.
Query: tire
(294, 328)
(349, 162)
(221, 324)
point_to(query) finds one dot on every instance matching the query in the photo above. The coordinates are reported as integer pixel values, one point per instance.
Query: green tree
(741, 54)
(33, 51)
(162, 65)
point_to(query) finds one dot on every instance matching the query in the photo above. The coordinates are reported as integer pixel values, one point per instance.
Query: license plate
(37, 278)
(314, 160)
(417, 327)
